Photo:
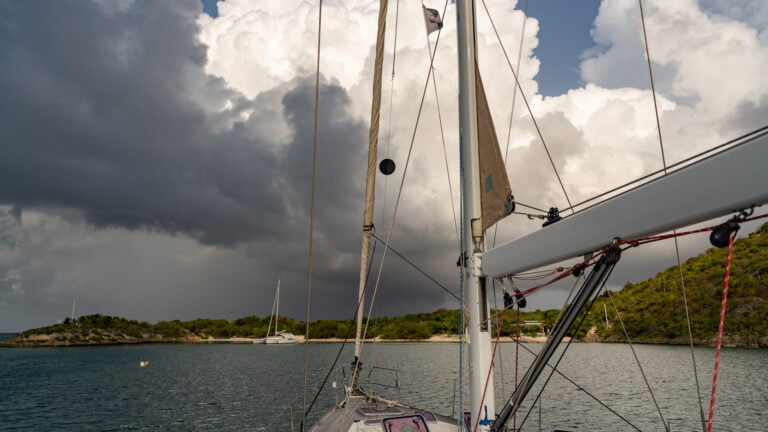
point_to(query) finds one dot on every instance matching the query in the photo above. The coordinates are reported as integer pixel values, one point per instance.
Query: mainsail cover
(495, 191)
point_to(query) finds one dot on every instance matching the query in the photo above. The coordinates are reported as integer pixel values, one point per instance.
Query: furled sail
(495, 192)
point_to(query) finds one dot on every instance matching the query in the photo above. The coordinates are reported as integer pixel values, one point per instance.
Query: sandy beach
(436, 339)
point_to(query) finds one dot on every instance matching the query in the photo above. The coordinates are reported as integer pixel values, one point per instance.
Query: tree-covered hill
(100, 329)
(653, 310)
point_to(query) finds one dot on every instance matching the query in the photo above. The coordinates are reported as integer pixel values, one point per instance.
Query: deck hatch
(412, 423)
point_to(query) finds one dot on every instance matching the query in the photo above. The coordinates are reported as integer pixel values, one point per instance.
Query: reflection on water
(257, 387)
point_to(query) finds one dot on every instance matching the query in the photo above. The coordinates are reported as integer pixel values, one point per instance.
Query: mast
(370, 186)
(277, 305)
(480, 375)
(72, 318)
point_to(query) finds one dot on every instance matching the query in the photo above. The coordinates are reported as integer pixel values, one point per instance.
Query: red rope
(720, 332)
(626, 244)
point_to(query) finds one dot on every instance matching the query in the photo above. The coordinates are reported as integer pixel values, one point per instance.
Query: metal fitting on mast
(477, 235)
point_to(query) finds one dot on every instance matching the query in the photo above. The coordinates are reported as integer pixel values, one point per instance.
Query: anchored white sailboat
(601, 232)
(279, 337)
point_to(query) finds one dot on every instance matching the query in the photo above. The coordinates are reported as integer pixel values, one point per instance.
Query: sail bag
(495, 192)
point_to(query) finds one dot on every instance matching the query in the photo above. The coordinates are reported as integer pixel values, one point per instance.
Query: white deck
(362, 413)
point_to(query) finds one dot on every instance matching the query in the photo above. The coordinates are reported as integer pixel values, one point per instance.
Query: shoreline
(433, 339)
(55, 341)
(51, 341)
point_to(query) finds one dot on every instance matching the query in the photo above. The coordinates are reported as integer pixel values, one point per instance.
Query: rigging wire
(383, 210)
(389, 118)
(637, 360)
(280, 414)
(538, 272)
(580, 388)
(518, 203)
(512, 110)
(653, 85)
(502, 314)
(394, 49)
(419, 269)
(514, 93)
(312, 214)
(677, 247)
(442, 134)
(690, 332)
(701, 155)
(496, 227)
(391, 99)
(343, 343)
(562, 355)
(528, 106)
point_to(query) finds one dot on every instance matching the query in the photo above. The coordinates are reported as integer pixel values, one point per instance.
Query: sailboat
(599, 233)
(279, 337)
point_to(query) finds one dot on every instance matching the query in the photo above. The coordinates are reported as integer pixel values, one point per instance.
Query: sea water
(245, 387)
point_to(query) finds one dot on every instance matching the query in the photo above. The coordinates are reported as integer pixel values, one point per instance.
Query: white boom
(734, 179)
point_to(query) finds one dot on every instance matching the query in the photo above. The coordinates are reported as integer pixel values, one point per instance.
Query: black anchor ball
(387, 166)
(721, 235)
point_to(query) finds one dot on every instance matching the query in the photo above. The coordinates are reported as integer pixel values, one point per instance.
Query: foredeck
(366, 413)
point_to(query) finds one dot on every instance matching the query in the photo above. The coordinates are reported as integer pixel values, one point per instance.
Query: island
(651, 311)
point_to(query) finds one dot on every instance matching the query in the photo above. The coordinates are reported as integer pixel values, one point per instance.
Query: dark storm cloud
(99, 114)
(108, 117)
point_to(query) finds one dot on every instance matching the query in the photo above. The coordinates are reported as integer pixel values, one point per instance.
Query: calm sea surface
(256, 387)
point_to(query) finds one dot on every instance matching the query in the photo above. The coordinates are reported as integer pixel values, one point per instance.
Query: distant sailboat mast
(277, 306)
(72, 318)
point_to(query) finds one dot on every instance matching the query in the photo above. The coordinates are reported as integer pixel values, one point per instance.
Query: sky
(157, 158)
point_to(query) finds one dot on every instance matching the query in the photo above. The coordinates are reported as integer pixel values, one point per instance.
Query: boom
(734, 179)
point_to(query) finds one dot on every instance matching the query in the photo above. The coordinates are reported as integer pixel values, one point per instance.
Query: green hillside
(100, 329)
(653, 310)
